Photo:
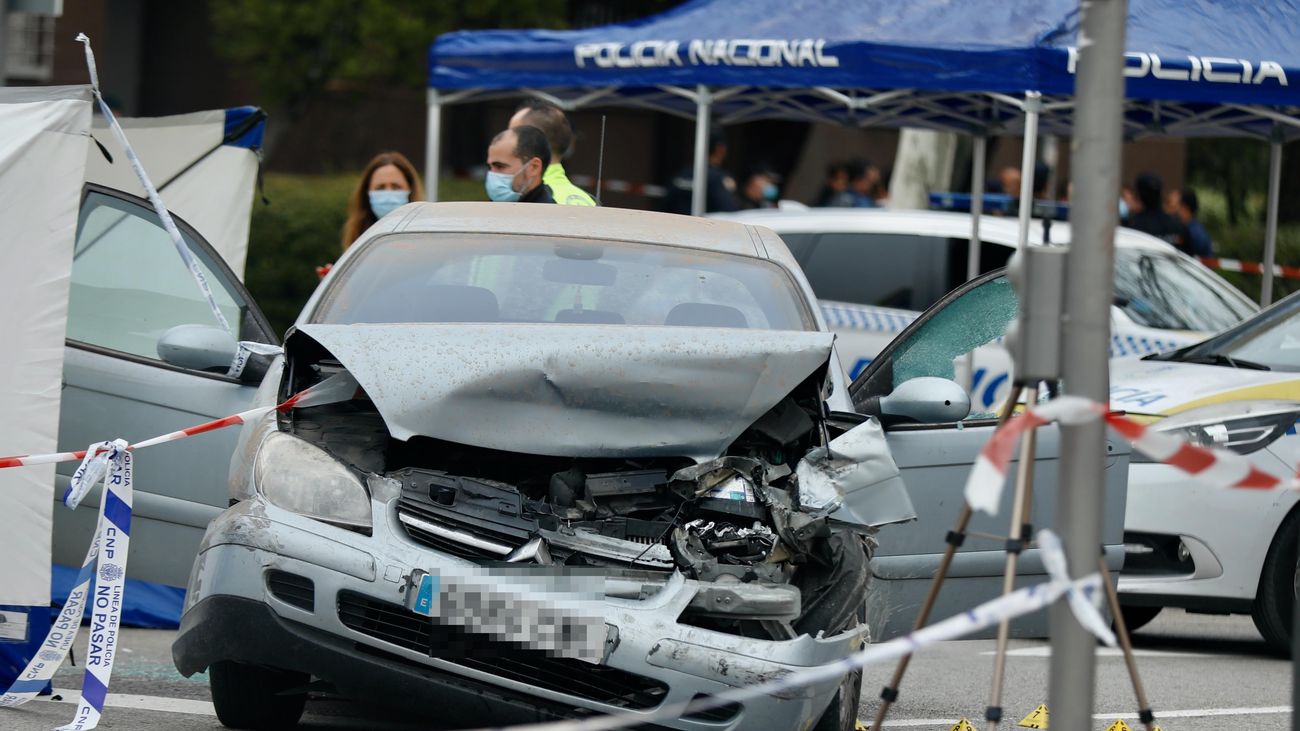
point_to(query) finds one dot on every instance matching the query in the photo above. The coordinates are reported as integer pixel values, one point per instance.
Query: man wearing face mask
(516, 161)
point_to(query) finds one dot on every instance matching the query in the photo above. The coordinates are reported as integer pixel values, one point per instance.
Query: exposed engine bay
(734, 521)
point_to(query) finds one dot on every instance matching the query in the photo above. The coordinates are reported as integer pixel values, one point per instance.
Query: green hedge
(1245, 241)
(299, 230)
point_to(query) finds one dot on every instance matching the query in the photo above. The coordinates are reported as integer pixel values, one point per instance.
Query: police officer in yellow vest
(551, 121)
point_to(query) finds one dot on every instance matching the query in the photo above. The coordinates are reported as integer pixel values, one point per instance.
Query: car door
(129, 287)
(935, 460)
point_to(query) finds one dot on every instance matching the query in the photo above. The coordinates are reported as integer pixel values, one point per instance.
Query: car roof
(618, 224)
(993, 229)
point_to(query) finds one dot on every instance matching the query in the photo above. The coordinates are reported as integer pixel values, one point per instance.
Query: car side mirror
(924, 400)
(198, 347)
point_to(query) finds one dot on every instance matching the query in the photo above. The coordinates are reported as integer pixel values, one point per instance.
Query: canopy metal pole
(700, 175)
(1028, 155)
(978, 154)
(1270, 226)
(1089, 291)
(432, 144)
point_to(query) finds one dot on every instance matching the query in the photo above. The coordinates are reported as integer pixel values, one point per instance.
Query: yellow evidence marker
(1036, 719)
(1119, 725)
(964, 725)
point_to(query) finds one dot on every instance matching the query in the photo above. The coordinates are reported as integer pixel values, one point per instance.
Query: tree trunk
(923, 165)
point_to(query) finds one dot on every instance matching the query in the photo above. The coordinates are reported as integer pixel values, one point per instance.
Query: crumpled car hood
(574, 390)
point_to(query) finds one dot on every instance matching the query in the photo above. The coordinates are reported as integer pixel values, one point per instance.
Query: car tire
(1136, 618)
(842, 713)
(253, 697)
(1275, 599)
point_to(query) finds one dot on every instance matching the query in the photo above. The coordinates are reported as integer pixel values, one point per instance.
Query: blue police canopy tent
(1194, 67)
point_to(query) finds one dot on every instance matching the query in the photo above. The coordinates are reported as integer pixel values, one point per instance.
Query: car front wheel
(254, 697)
(1138, 617)
(1275, 599)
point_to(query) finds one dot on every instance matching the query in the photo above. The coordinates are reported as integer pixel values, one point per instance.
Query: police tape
(1083, 594)
(244, 349)
(1249, 267)
(338, 387)
(1219, 467)
(105, 563)
(106, 558)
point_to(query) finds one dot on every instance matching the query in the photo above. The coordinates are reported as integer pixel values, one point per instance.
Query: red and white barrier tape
(1249, 267)
(1218, 466)
(338, 387)
(648, 190)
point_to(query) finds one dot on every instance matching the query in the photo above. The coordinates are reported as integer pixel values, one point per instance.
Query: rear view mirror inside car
(579, 271)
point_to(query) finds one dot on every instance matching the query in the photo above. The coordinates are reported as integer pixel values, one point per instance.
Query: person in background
(864, 179)
(516, 161)
(388, 181)
(1009, 181)
(720, 193)
(1173, 201)
(1152, 219)
(759, 190)
(1128, 205)
(1196, 240)
(550, 119)
(836, 190)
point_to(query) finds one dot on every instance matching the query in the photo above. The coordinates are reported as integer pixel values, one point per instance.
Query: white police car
(1191, 543)
(875, 270)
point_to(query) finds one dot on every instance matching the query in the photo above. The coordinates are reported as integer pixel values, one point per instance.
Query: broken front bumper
(273, 588)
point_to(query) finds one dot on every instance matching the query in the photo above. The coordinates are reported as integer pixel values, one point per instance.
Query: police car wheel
(1137, 617)
(253, 697)
(1276, 597)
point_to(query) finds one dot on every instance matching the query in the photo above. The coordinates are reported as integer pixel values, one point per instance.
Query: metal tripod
(1019, 537)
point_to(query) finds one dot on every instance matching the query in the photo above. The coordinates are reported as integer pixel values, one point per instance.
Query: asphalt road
(1202, 673)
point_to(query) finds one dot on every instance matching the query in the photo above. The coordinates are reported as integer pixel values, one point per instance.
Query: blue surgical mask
(1123, 209)
(384, 202)
(501, 187)
(770, 192)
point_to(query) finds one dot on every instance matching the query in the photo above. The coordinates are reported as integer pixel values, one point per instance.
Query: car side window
(885, 270)
(799, 244)
(129, 285)
(971, 320)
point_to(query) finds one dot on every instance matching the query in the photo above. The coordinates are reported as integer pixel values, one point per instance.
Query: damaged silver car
(595, 462)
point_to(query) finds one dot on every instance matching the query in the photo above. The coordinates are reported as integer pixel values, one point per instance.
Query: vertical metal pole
(700, 176)
(978, 154)
(1089, 290)
(432, 144)
(1270, 226)
(1028, 154)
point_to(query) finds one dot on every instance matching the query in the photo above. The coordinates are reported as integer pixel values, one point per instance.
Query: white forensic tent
(44, 137)
(205, 165)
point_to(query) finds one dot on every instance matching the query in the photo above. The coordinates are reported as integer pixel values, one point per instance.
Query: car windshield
(1269, 341)
(1160, 291)
(544, 279)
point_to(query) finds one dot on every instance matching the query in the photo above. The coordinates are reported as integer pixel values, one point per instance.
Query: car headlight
(1242, 426)
(298, 476)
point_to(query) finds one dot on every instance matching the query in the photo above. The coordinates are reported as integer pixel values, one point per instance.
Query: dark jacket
(1159, 224)
(540, 194)
(719, 192)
